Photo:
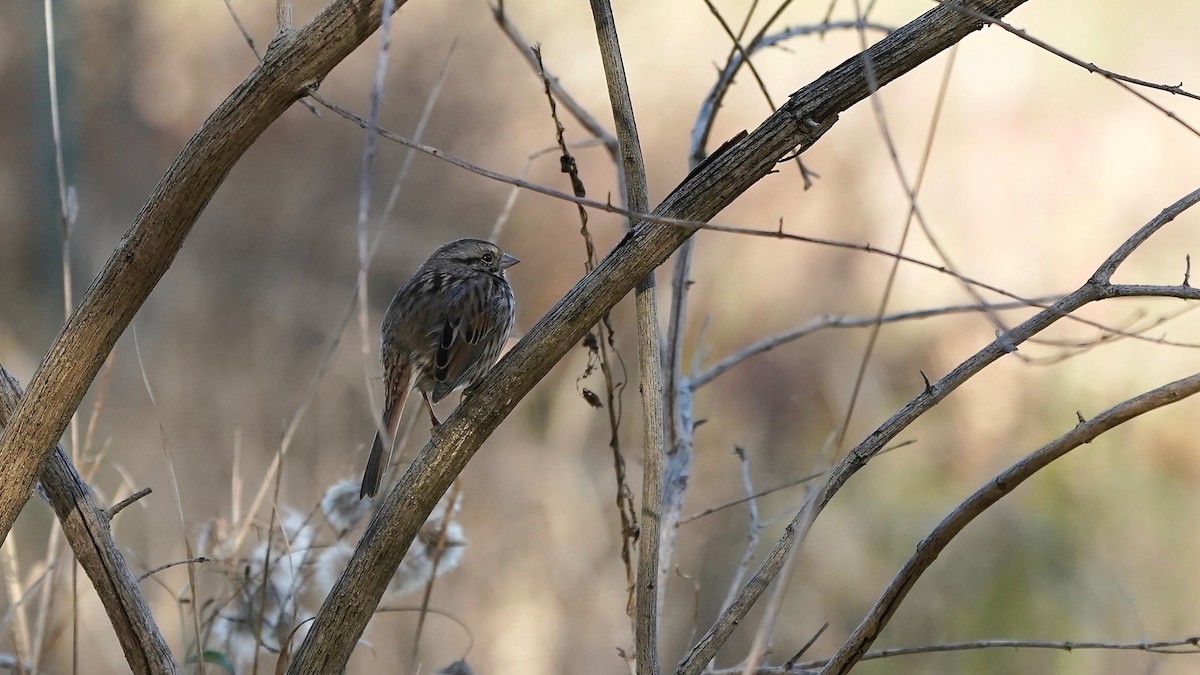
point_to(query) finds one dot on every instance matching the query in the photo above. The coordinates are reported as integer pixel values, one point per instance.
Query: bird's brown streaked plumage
(443, 330)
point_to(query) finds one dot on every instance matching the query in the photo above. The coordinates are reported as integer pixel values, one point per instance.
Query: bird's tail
(393, 406)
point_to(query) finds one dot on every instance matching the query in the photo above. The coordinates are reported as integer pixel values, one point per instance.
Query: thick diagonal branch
(711, 187)
(294, 63)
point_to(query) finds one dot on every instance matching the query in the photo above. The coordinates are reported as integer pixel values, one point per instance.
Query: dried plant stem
(12, 586)
(650, 584)
(605, 346)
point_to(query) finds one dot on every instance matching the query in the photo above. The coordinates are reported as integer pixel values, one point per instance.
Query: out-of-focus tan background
(1038, 171)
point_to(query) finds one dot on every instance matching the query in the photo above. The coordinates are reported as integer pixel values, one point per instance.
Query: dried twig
(601, 344)
(166, 566)
(116, 508)
(1122, 81)
(776, 233)
(559, 92)
(753, 529)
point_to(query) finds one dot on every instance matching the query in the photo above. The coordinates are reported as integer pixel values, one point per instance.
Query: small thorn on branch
(1187, 271)
(1080, 418)
(928, 386)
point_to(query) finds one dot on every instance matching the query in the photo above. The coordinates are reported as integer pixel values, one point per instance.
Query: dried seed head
(342, 507)
(330, 564)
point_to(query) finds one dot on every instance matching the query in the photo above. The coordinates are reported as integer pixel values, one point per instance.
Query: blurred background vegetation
(1038, 171)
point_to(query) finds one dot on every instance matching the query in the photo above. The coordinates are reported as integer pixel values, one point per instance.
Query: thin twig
(12, 586)
(1122, 81)
(237, 20)
(164, 446)
(364, 209)
(530, 53)
(776, 488)
(439, 547)
(753, 529)
(67, 209)
(431, 99)
(116, 508)
(706, 116)
(827, 321)
(254, 48)
(758, 79)
(604, 347)
(156, 570)
(1182, 646)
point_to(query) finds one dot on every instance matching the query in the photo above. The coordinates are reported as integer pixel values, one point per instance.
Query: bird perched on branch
(443, 331)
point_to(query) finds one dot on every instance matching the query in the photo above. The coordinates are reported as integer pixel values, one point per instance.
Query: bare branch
(119, 506)
(927, 551)
(175, 563)
(1121, 81)
(85, 525)
(835, 321)
(650, 577)
(1091, 291)
(1189, 646)
(754, 528)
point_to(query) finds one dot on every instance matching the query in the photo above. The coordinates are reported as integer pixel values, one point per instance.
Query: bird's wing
(462, 342)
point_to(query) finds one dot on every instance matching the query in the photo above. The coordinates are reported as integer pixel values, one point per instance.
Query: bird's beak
(508, 261)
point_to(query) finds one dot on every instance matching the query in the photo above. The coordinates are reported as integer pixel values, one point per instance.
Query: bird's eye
(488, 258)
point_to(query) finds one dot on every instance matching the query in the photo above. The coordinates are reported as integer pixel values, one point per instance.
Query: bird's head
(477, 254)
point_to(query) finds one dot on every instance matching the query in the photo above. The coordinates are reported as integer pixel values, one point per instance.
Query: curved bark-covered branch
(927, 551)
(293, 64)
(711, 187)
(86, 526)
